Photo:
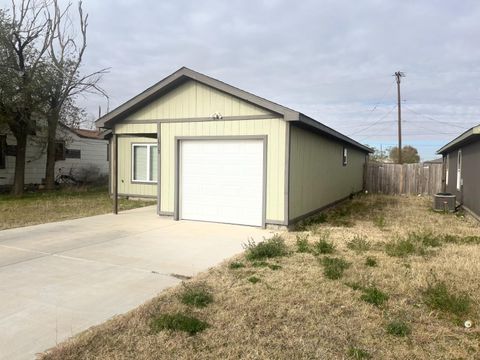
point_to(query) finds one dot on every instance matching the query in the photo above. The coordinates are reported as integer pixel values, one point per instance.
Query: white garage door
(221, 181)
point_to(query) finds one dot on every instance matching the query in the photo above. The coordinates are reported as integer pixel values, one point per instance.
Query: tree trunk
(19, 178)
(51, 147)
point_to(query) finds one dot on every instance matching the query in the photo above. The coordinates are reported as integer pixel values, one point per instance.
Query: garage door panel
(222, 181)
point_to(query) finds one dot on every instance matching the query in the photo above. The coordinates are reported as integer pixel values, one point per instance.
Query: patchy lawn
(379, 277)
(48, 206)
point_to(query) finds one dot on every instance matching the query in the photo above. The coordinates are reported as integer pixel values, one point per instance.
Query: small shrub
(371, 261)
(380, 221)
(302, 243)
(273, 247)
(400, 248)
(358, 354)
(426, 239)
(374, 296)
(455, 239)
(253, 279)
(236, 265)
(475, 240)
(196, 295)
(416, 243)
(451, 239)
(333, 268)
(437, 297)
(324, 247)
(359, 244)
(398, 328)
(178, 322)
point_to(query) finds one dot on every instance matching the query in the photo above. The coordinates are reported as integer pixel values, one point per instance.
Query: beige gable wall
(195, 100)
(317, 175)
(125, 184)
(135, 128)
(275, 129)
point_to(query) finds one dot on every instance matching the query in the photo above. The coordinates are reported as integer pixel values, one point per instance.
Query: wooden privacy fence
(404, 178)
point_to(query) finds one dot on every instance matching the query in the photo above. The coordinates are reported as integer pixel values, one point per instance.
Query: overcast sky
(332, 60)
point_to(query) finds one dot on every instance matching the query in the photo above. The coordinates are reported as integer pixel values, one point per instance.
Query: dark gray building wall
(470, 174)
(452, 173)
(471, 177)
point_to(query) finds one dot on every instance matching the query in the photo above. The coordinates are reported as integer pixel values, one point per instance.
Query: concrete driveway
(61, 278)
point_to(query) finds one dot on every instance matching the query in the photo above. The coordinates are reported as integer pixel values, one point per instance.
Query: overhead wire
(378, 130)
(375, 107)
(435, 131)
(387, 91)
(374, 123)
(433, 119)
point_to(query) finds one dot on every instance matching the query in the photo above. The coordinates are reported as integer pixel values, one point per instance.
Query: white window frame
(345, 156)
(148, 146)
(459, 170)
(447, 165)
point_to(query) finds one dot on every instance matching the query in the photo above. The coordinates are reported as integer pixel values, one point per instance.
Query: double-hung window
(144, 162)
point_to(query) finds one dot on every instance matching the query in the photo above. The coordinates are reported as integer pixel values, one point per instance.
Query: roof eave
(333, 133)
(459, 140)
(149, 94)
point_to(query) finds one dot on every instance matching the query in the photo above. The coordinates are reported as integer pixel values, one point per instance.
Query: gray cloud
(332, 60)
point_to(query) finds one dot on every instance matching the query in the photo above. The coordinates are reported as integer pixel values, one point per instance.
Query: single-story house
(81, 153)
(209, 151)
(461, 158)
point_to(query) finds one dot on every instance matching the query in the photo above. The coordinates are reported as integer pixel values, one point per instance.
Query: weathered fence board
(404, 179)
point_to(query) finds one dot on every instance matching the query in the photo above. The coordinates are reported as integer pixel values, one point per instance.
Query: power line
(440, 132)
(427, 143)
(407, 134)
(379, 129)
(374, 123)
(433, 119)
(387, 91)
(349, 127)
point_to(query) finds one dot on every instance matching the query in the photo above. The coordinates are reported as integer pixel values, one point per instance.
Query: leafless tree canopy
(42, 48)
(66, 52)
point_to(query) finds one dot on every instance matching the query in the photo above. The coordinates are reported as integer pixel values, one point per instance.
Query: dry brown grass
(48, 206)
(296, 313)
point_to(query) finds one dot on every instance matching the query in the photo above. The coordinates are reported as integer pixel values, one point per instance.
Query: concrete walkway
(61, 278)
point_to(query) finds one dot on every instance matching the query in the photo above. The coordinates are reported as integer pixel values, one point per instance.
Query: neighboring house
(225, 155)
(462, 169)
(80, 153)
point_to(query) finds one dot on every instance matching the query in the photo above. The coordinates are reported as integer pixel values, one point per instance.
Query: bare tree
(65, 82)
(25, 38)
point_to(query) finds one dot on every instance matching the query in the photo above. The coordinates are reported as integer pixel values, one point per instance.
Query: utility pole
(399, 75)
